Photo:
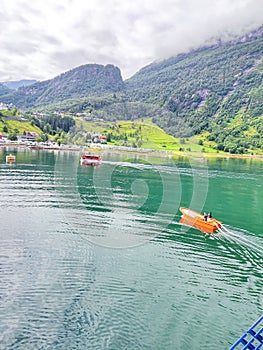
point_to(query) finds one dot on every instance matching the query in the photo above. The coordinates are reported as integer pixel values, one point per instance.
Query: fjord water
(94, 257)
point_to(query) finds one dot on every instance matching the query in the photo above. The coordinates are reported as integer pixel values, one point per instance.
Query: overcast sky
(40, 39)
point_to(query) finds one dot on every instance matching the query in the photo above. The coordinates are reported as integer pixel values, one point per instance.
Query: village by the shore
(29, 142)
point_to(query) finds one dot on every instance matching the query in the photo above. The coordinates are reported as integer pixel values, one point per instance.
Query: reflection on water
(170, 288)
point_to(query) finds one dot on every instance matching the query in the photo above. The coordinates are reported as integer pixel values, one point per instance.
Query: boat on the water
(90, 159)
(10, 159)
(201, 222)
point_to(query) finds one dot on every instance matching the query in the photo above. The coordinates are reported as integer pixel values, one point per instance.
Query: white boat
(10, 159)
(90, 159)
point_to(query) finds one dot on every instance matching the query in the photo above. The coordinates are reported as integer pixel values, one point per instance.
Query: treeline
(207, 91)
(53, 124)
(109, 107)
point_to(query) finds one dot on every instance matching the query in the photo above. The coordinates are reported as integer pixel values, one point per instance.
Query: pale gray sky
(43, 38)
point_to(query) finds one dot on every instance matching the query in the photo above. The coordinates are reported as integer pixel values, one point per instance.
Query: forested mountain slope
(215, 92)
(90, 79)
(4, 90)
(218, 89)
(207, 83)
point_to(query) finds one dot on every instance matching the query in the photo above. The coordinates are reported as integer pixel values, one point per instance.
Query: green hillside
(213, 95)
(209, 90)
(18, 127)
(140, 134)
(90, 79)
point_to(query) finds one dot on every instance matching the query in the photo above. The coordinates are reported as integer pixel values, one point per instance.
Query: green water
(94, 257)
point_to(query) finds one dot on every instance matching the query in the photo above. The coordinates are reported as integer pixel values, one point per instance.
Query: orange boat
(197, 220)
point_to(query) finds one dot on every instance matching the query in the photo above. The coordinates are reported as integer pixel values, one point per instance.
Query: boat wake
(243, 246)
(242, 237)
(235, 240)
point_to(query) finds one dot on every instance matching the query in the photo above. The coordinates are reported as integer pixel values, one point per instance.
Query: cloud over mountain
(41, 39)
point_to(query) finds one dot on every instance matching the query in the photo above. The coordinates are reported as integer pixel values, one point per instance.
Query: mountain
(4, 90)
(14, 85)
(215, 92)
(90, 79)
(193, 88)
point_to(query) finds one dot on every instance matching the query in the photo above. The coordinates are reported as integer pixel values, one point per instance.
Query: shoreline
(122, 149)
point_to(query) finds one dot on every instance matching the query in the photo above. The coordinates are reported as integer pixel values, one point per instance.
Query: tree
(14, 111)
(47, 129)
(220, 147)
(42, 137)
(12, 137)
(182, 141)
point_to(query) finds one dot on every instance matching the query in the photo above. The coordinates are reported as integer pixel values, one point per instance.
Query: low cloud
(43, 39)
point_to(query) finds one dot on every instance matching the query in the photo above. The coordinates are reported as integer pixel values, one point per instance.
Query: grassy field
(20, 126)
(139, 133)
(142, 134)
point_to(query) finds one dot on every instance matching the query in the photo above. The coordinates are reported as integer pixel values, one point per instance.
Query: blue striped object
(252, 339)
